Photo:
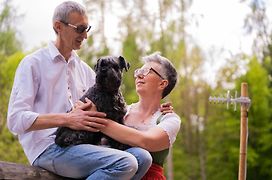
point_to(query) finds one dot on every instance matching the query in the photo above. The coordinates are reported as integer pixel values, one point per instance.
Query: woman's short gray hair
(63, 10)
(168, 70)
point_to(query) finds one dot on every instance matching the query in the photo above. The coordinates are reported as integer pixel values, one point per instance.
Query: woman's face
(149, 79)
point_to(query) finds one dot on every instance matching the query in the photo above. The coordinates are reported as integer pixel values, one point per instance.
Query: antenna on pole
(245, 102)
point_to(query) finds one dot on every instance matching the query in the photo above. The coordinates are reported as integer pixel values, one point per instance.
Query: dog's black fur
(107, 97)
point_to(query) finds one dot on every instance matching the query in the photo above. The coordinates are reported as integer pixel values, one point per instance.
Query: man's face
(70, 38)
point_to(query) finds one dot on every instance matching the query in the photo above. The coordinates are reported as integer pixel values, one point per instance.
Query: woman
(151, 129)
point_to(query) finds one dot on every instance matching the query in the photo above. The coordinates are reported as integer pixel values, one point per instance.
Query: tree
(257, 24)
(8, 42)
(10, 56)
(260, 76)
(9, 142)
(8, 46)
(259, 144)
(97, 45)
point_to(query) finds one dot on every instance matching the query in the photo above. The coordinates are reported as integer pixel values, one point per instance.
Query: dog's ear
(97, 65)
(123, 64)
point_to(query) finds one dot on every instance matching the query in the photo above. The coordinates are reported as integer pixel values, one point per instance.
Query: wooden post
(243, 134)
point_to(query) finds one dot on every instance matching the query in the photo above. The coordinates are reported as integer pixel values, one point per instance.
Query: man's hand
(166, 108)
(84, 116)
(88, 106)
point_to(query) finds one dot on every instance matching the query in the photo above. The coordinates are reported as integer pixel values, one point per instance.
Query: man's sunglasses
(79, 29)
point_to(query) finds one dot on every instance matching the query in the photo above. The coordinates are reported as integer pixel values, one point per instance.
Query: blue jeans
(95, 162)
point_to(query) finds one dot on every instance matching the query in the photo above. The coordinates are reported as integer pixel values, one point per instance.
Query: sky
(219, 25)
(219, 22)
(35, 27)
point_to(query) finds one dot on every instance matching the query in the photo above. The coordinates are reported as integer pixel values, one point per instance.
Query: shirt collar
(56, 55)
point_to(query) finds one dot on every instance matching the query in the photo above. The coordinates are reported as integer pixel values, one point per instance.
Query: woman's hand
(166, 108)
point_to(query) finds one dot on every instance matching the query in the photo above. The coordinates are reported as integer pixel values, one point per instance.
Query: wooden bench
(10, 170)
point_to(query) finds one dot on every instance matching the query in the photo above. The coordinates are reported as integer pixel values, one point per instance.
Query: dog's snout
(104, 69)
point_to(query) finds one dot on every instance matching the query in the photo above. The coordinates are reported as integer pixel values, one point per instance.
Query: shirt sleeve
(20, 111)
(170, 123)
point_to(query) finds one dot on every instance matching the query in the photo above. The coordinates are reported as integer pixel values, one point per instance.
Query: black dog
(107, 97)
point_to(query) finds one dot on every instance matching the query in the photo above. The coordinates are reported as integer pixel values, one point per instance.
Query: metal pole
(243, 134)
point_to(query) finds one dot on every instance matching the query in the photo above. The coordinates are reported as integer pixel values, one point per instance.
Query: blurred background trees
(207, 146)
(10, 56)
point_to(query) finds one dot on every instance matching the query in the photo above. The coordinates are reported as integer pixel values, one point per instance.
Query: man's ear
(57, 26)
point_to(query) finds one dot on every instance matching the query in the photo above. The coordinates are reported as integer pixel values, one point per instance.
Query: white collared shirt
(45, 83)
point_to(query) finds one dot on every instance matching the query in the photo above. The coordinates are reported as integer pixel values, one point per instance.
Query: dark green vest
(159, 156)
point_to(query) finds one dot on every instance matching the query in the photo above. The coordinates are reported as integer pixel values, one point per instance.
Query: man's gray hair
(63, 11)
(168, 70)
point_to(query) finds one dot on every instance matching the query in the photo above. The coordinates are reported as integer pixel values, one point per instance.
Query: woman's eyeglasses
(79, 29)
(145, 72)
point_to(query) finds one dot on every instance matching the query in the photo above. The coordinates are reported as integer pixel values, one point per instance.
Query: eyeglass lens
(80, 29)
(141, 71)
(145, 71)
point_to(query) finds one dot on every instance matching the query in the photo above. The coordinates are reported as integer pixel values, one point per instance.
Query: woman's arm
(154, 139)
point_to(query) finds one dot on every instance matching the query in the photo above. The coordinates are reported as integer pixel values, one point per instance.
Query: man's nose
(85, 35)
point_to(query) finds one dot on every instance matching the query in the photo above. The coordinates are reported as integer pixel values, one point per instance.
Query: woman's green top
(159, 156)
(169, 122)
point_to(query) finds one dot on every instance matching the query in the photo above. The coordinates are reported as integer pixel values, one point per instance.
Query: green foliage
(10, 149)
(86, 52)
(10, 56)
(90, 55)
(259, 121)
(9, 45)
(207, 146)
(131, 52)
(8, 41)
(7, 72)
(8, 142)
(222, 146)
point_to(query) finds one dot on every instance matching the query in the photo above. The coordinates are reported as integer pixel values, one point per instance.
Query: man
(47, 84)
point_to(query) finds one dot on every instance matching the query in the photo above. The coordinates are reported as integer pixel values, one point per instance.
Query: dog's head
(109, 70)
